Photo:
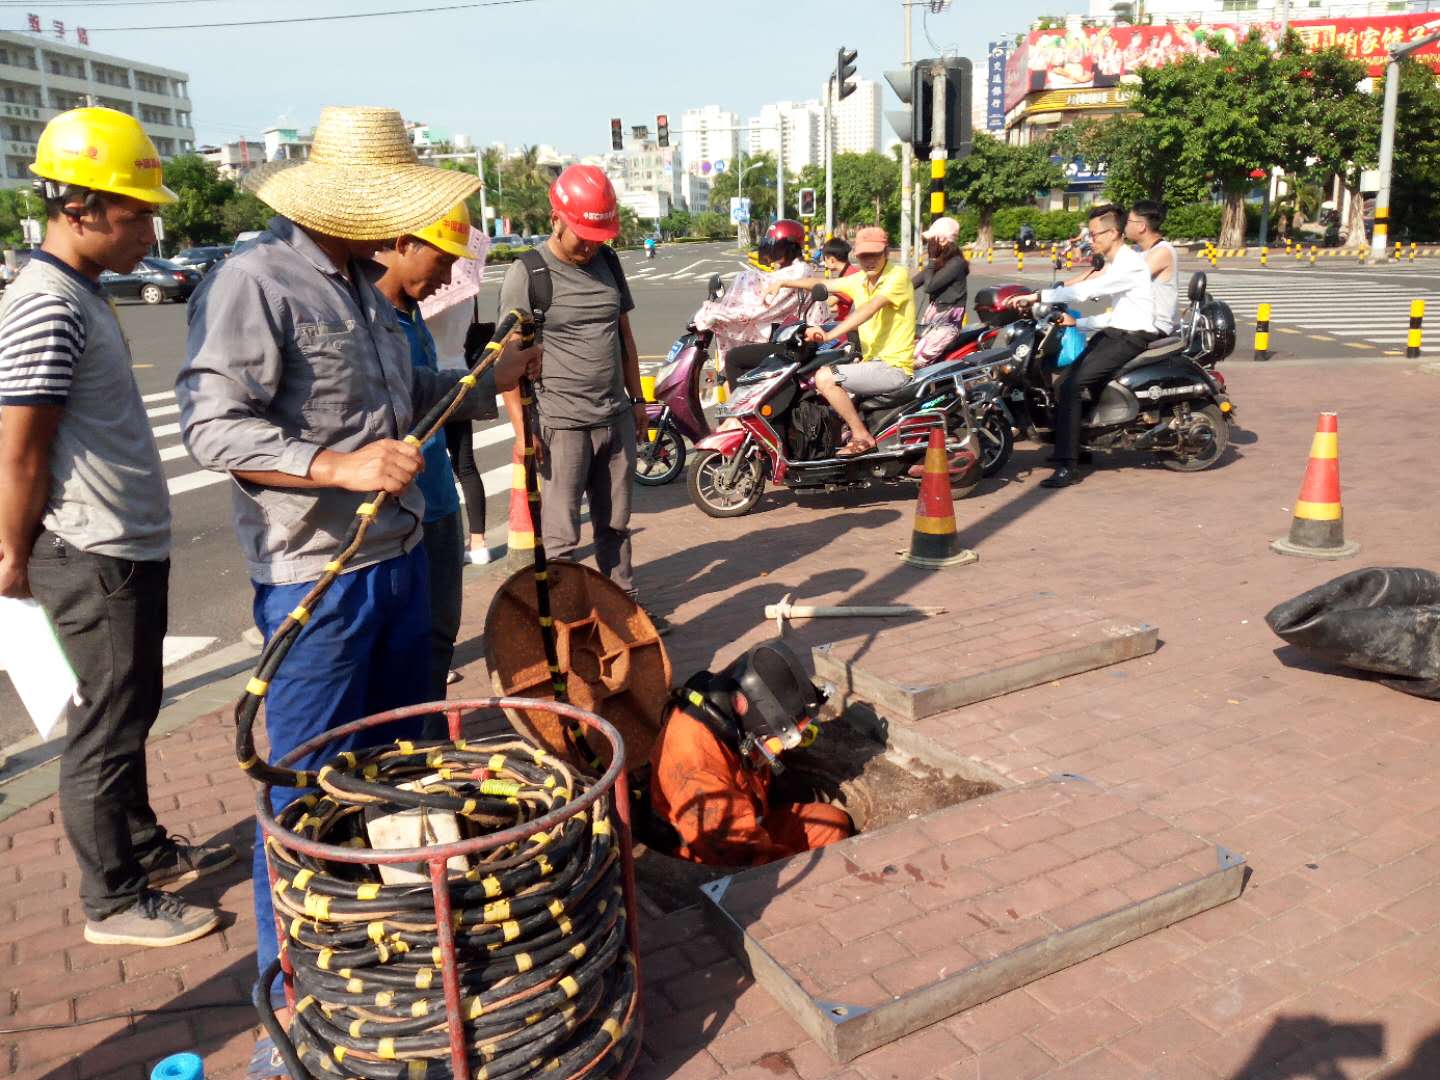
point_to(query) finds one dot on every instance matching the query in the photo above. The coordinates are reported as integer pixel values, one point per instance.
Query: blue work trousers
(365, 650)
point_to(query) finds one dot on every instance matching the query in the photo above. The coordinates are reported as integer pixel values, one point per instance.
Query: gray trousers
(598, 463)
(445, 544)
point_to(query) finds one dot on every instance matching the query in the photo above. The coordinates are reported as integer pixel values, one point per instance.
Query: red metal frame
(436, 858)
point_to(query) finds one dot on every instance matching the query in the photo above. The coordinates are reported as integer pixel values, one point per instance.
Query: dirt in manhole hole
(845, 766)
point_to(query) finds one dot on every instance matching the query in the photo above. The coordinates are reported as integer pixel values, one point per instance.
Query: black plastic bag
(1384, 619)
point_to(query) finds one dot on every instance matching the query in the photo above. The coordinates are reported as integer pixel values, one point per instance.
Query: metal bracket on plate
(837, 1012)
(1227, 858)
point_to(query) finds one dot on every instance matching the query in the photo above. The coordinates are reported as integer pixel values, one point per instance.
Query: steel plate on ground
(609, 652)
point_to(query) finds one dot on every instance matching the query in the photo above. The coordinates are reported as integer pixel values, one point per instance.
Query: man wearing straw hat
(299, 384)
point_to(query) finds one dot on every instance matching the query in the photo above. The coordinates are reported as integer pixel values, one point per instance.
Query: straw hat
(361, 181)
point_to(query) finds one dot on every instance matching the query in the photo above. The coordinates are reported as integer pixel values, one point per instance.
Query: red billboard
(1104, 56)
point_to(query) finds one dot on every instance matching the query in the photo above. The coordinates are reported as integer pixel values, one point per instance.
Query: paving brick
(1167, 1035)
(1016, 1058)
(1236, 1002)
(1076, 1032)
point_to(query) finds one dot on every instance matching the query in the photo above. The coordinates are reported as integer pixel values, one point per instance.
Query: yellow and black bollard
(1264, 256)
(1313, 252)
(1417, 316)
(1397, 250)
(1413, 248)
(989, 254)
(1262, 332)
(1019, 261)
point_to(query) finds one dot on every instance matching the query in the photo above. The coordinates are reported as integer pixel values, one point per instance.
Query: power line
(319, 18)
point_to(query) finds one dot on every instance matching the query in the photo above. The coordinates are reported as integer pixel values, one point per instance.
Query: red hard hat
(585, 200)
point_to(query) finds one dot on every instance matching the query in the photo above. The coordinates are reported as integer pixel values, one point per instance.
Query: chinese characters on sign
(59, 29)
(995, 87)
(33, 21)
(1105, 56)
(82, 35)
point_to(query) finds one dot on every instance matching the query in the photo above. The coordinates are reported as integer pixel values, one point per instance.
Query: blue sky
(552, 71)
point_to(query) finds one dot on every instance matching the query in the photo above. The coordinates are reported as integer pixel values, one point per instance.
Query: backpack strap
(542, 288)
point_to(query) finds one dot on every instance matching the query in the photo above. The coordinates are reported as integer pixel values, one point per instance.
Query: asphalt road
(1330, 311)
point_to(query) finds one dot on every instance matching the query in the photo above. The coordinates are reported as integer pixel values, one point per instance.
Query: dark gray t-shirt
(583, 381)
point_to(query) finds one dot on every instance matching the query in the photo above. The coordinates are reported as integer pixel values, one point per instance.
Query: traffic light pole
(907, 164)
(829, 166)
(938, 153)
(1381, 234)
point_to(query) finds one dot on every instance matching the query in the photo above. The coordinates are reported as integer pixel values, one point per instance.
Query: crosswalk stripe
(163, 410)
(193, 480)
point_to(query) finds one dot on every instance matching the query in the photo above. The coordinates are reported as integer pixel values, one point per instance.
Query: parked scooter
(1168, 400)
(677, 413)
(786, 432)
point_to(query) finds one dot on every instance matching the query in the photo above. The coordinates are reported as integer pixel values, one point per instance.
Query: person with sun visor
(715, 760)
(85, 519)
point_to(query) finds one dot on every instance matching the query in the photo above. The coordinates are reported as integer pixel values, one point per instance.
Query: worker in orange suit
(712, 766)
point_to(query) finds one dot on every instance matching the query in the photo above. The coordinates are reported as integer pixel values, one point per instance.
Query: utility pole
(938, 153)
(1387, 142)
(780, 173)
(907, 163)
(829, 164)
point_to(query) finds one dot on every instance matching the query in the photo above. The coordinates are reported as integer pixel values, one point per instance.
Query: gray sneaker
(183, 862)
(157, 919)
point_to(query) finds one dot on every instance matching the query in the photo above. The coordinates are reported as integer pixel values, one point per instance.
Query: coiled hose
(539, 926)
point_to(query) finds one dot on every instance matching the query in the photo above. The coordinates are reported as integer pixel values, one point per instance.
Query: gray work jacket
(285, 357)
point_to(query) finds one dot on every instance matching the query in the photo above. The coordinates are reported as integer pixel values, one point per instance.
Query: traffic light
(662, 130)
(807, 202)
(915, 124)
(617, 134)
(844, 71)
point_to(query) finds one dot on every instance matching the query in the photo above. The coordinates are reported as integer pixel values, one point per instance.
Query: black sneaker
(157, 919)
(182, 862)
(663, 626)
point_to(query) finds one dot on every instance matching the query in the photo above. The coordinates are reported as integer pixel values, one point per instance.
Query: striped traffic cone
(520, 548)
(1318, 528)
(933, 541)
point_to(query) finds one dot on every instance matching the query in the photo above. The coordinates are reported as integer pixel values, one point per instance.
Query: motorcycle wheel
(997, 441)
(1209, 435)
(659, 462)
(718, 501)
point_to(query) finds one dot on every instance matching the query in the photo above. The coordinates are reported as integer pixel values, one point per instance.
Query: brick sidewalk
(1329, 785)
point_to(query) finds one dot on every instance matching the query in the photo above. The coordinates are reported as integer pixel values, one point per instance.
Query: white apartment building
(857, 119)
(41, 78)
(803, 123)
(1255, 10)
(286, 144)
(235, 159)
(708, 134)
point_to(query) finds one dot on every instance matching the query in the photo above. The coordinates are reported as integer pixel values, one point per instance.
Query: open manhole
(876, 784)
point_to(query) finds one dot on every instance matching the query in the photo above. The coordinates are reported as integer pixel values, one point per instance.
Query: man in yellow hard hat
(85, 518)
(409, 271)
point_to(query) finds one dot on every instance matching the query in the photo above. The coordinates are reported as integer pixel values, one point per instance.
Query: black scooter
(1168, 400)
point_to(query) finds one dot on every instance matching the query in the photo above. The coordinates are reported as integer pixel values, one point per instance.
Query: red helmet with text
(585, 200)
(784, 242)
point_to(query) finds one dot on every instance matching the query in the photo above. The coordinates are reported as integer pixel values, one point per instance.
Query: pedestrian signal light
(807, 202)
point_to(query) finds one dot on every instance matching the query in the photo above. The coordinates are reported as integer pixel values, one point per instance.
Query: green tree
(632, 229)
(997, 174)
(676, 223)
(759, 185)
(712, 225)
(1414, 212)
(16, 205)
(867, 190)
(1227, 115)
(197, 217)
(1337, 129)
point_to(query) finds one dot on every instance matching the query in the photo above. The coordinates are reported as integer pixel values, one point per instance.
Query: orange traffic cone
(520, 548)
(933, 541)
(1318, 528)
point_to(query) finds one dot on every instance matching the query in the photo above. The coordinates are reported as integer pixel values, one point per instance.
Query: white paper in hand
(31, 654)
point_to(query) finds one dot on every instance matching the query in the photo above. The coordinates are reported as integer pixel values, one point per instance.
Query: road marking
(181, 648)
(165, 429)
(162, 396)
(692, 266)
(163, 410)
(1357, 345)
(191, 481)
(142, 365)
(170, 453)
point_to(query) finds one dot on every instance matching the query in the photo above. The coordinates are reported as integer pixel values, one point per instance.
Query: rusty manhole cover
(613, 660)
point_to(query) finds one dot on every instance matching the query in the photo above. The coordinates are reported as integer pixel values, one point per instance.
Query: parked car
(152, 281)
(203, 259)
(7, 275)
(508, 240)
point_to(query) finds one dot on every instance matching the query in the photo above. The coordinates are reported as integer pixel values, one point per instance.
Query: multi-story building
(286, 144)
(857, 120)
(803, 123)
(41, 78)
(708, 135)
(235, 159)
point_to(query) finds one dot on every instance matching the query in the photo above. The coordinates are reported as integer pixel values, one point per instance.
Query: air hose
(537, 925)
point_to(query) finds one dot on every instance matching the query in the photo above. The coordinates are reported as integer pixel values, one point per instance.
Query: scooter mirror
(819, 292)
(1197, 286)
(714, 286)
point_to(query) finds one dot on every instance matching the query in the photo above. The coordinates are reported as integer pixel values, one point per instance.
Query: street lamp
(1387, 139)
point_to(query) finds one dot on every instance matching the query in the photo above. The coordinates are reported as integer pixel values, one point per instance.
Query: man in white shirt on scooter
(1122, 333)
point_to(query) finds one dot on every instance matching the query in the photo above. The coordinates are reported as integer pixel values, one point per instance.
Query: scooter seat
(890, 399)
(1164, 346)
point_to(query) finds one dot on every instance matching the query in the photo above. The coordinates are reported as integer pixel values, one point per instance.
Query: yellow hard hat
(451, 234)
(104, 150)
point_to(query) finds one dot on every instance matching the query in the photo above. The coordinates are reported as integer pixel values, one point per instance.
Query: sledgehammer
(786, 610)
